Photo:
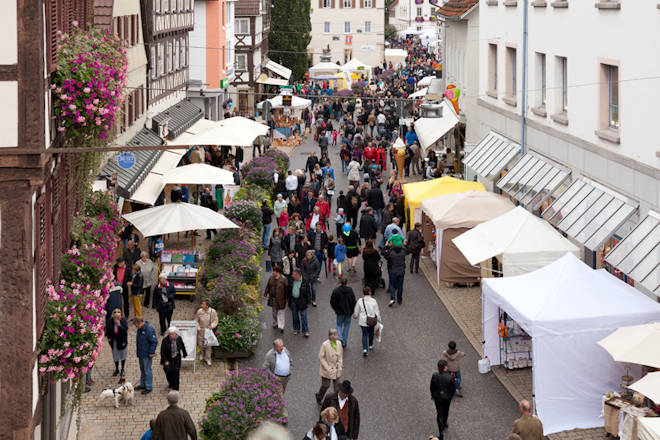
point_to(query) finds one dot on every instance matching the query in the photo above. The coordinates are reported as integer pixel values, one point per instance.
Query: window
(326, 27)
(154, 66)
(562, 81)
(157, 6)
(241, 61)
(611, 74)
(367, 26)
(177, 53)
(419, 12)
(404, 11)
(166, 5)
(511, 83)
(492, 69)
(541, 79)
(242, 26)
(326, 3)
(367, 4)
(348, 3)
(184, 51)
(161, 59)
(169, 56)
(347, 27)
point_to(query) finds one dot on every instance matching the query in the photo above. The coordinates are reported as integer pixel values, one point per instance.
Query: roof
(145, 137)
(279, 69)
(179, 117)
(456, 8)
(128, 180)
(247, 7)
(103, 13)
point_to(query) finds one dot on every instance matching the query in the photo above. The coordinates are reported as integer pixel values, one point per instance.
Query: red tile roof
(456, 8)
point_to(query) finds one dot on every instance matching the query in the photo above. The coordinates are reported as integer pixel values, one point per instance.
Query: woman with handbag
(172, 351)
(116, 330)
(206, 318)
(368, 315)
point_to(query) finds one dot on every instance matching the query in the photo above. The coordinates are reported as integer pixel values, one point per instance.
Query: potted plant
(237, 334)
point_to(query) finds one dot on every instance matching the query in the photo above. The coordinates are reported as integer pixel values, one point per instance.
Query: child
(283, 222)
(331, 253)
(340, 255)
(147, 435)
(453, 358)
(334, 138)
(340, 219)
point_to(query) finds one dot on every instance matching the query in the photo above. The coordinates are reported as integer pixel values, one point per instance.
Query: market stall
(357, 69)
(451, 215)
(565, 308)
(287, 118)
(519, 240)
(416, 192)
(431, 130)
(396, 56)
(182, 269)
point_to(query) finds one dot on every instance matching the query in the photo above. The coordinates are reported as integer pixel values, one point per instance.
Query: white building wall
(8, 33)
(367, 47)
(407, 10)
(230, 37)
(631, 166)
(197, 39)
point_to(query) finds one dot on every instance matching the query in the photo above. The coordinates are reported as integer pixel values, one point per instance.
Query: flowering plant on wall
(432, 18)
(419, 2)
(419, 19)
(88, 85)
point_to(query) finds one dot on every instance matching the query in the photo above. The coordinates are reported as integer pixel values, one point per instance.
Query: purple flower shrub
(281, 158)
(250, 397)
(246, 212)
(262, 176)
(260, 161)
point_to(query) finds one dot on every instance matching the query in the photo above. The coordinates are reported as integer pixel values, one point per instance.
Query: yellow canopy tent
(416, 192)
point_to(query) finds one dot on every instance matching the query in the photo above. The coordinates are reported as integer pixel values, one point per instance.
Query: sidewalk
(464, 305)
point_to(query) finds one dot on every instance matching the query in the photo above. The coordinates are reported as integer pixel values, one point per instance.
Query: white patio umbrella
(649, 386)
(199, 174)
(176, 217)
(236, 131)
(637, 344)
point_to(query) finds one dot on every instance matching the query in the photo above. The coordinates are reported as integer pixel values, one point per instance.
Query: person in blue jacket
(145, 343)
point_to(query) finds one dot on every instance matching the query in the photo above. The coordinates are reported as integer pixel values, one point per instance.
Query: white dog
(123, 393)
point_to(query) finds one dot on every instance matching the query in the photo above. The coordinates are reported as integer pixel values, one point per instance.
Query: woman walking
(331, 357)
(372, 271)
(172, 350)
(206, 318)
(135, 284)
(275, 250)
(352, 242)
(368, 315)
(116, 330)
(149, 272)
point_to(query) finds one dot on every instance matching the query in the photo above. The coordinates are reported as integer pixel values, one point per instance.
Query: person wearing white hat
(172, 350)
(164, 294)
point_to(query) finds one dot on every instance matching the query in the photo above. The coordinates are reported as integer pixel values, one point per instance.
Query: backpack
(355, 201)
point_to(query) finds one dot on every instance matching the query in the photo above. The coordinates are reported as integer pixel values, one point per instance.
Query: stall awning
(152, 185)
(533, 179)
(429, 130)
(128, 180)
(492, 155)
(279, 69)
(638, 255)
(178, 118)
(264, 79)
(590, 212)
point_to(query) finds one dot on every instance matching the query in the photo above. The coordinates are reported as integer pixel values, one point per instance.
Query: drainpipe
(524, 82)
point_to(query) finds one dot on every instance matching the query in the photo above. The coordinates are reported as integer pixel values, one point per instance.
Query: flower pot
(219, 354)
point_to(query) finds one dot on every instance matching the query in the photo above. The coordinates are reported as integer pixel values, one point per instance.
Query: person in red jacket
(382, 157)
(324, 206)
(314, 218)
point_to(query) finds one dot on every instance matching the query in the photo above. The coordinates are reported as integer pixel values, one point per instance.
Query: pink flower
(238, 336)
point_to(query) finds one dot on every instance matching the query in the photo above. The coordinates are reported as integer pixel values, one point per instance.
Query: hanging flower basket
(432, 18)
(419, 19)
(419, 2)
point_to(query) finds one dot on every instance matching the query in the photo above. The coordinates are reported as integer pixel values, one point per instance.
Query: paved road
(392, 383)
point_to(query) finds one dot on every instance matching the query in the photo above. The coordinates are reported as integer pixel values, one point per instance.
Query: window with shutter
(56, 224)
(42, 257)
(53, 21)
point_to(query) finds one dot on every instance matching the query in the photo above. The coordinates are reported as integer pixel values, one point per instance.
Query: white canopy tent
(176, 217)
(396, 56)
(297, 103)
(409, 31)
(199, 174)
(419, 93)
(427, 37)
(324, 67)
(430, 130)
(566, 307)
(524, 241)
(426, 81)
(236, 131)
(356, 66)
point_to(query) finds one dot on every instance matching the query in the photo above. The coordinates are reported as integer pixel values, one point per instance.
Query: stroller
(381, 281)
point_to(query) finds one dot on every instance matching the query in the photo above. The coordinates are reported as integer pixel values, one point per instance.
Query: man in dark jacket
(131, 253)
(310, 267)
(368, 226)
(443, 388)
(308, 203)
(114, 300)
(353, 203)
(323, 142)
(312, 161)
(276, 295)
(347, 407)
(267, 220)
(145, 344)
(396, 259)
(164, 294)
(174, 423)
(300, 296)
(318, 241)
(415, 243)
(122, 275)
(376, 201)
(206, 200)
(172, 351)
(343, 302)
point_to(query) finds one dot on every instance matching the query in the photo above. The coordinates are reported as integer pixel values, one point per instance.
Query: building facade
(210, 52)
(350, 29)
(589, 114)
(251, 28)
(413, 15)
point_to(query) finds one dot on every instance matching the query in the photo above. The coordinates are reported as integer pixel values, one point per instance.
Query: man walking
(376, 201)
(319, 242)
(347, 407)
(415, 243)
(279, 362)
(368, 225)
(299, 297)
(396, 259)
(291, 183)
(145, 344)
(331, 357)
(312, 161)
(267, 219)
(206, 200)
(389, 230)
(354, 202)
(443, 388)
(528, 426)
(343, 302)
(276, 292)
(310, 267)
(174, 423)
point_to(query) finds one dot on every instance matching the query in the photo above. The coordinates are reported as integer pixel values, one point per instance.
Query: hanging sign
(125, 160)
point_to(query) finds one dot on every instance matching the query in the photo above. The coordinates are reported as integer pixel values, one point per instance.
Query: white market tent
(566, 307)
(524, 241)
(419, 93)
(236, 131)
(409, 31)
(430, 130)
(356, 66)
(199, 174)
(426, 81)
(396, 56)
(427, 37)
(324, 67)
(297, 102)
(453, 214)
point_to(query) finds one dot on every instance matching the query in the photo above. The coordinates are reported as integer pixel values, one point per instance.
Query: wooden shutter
(320, 4)
(42, 261)
(332, 3)
(353, 3)
(361, 4)
(131, 108)
(56, 223)
(52, 23)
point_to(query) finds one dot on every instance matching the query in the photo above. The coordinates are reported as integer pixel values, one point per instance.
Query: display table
(182, 268)
(621, 418)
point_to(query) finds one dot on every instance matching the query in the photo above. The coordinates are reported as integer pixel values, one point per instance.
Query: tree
(390, 32)
(290, 33)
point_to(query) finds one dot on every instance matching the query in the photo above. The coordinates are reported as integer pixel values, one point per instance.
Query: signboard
(125, 160)
(224, 82)
(188, 332)
(349, 40)
(367, 48)
(286, 100)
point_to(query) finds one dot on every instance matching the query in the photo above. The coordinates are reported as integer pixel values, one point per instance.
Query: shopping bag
(378, 332)
(209, 338)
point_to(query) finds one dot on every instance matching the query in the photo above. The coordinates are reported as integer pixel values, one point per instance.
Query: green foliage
(238, 332)
(290, 34)
(246, 212)
(390, 32)
(254, 193)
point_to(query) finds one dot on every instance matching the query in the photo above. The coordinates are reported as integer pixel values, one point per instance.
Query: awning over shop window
(150, 188)
(430, 130)
(492, 155)
(533, 179)
(589, 212)
(278, 69)
(638, 255)
(264, 79)
(128, 180)
(178, 118)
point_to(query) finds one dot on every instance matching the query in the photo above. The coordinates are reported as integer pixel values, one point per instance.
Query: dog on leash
(123, 393)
